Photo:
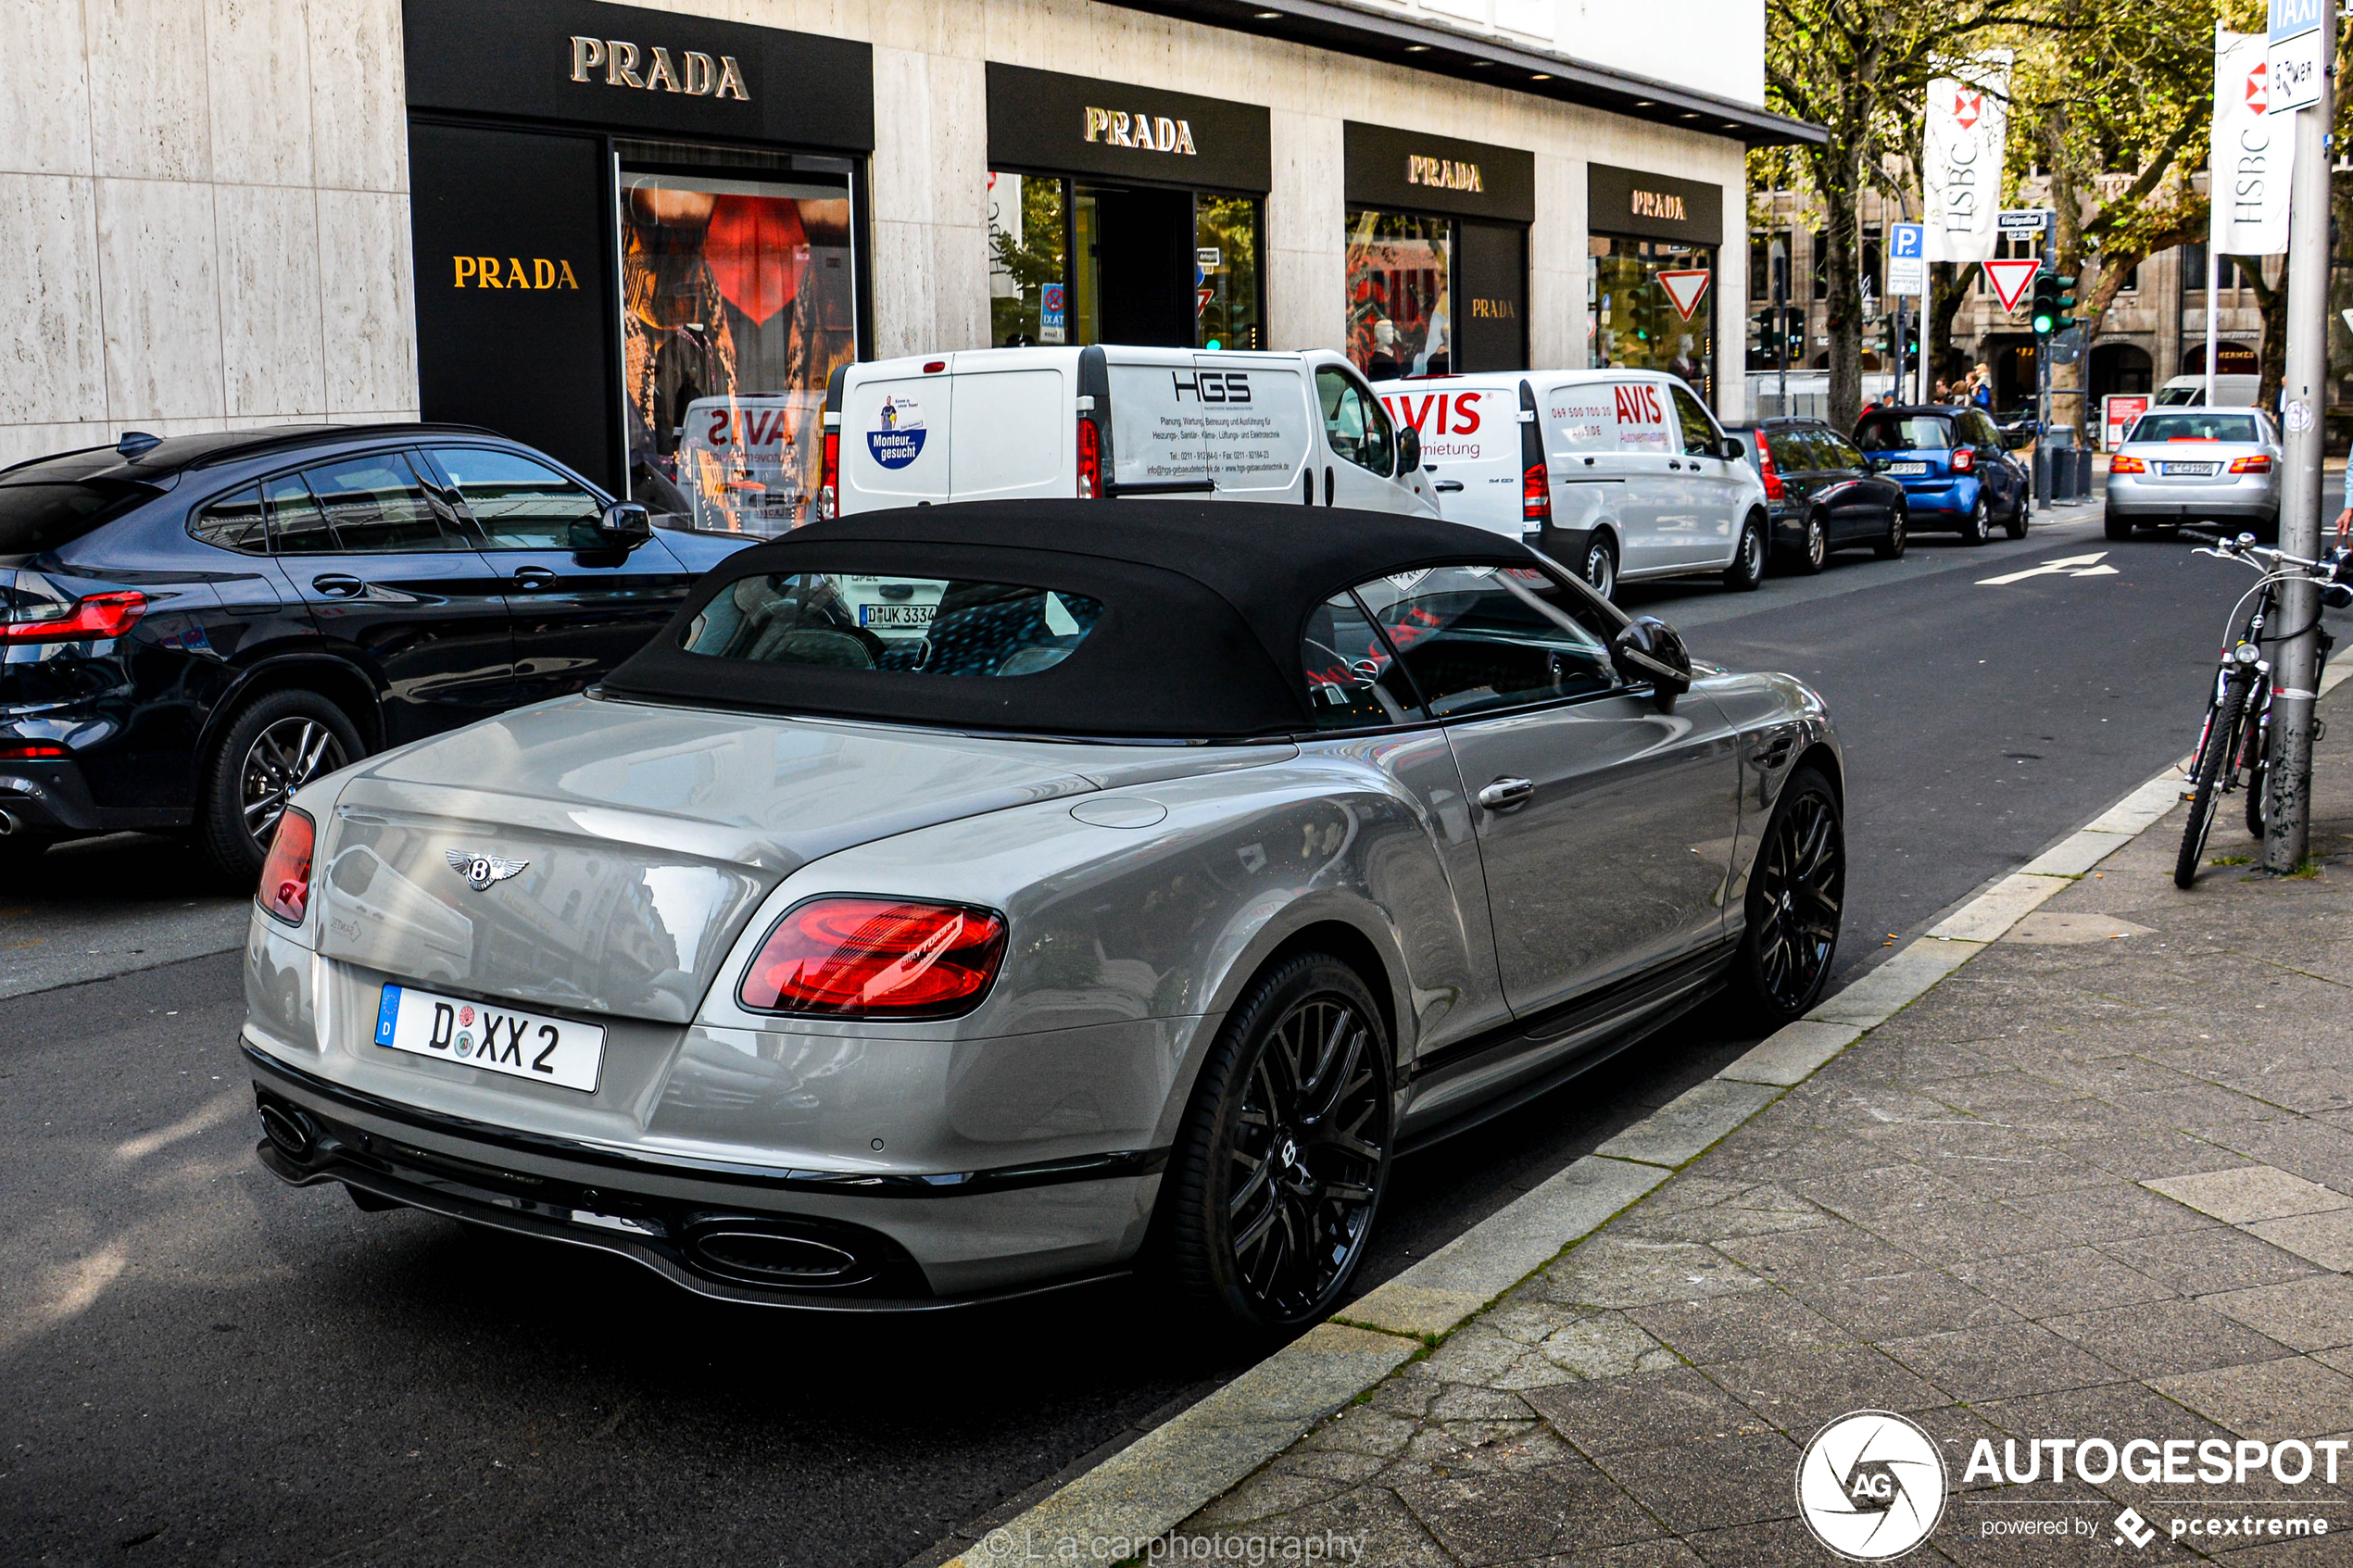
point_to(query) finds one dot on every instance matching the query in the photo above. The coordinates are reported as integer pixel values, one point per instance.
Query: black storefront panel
(1491, 262)
(514, 288)
(1042, 121)
(1409, 171)
(1652, 207)
(629, 69)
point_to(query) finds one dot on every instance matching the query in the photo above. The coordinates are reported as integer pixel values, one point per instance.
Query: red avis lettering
(751, 427)
(1637, 405)
(1463, 419)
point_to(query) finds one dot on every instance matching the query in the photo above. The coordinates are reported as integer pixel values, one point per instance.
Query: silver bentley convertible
(958, 902)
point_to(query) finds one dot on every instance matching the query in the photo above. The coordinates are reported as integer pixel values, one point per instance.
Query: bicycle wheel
(2216, 747)
(2253, 755)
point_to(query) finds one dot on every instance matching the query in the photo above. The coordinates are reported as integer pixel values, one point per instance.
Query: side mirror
(1729, 449)
(1409, 449)
(624, 526)
(1650, 652)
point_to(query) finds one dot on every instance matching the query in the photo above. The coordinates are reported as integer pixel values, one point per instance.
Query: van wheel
(1747, 570)
(1601, 565)
(1277, 1170)
(274, 746)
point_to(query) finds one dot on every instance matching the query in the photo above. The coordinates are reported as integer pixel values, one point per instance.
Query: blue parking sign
(1907, 259)
(1904, 240)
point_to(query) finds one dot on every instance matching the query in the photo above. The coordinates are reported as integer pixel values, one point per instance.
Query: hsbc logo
(1968, 108)
(2258, 88)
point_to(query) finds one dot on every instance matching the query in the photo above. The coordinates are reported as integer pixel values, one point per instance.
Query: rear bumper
(1955, 497)
(50, 797)
(884, 1243)
(2254, 498)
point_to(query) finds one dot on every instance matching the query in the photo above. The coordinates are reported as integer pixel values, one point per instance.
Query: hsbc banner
(1969, 117)
(2254, 152)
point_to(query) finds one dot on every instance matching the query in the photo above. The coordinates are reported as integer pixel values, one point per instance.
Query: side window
(1480, 637)
(376, 506)
(234, 523)
(1841, 455)
(521, 503)
(1981, 431)
(300, 526)
(1699, 431)
(1352, 678)
(1354, 423)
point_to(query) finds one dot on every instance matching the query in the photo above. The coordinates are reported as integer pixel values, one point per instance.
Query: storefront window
(1649, 304)
(1400, 304)
(737, 301)
(1029, 297)
(1077, 263)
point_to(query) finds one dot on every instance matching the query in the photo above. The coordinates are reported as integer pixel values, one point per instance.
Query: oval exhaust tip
(289, 1132)
(767, 1255)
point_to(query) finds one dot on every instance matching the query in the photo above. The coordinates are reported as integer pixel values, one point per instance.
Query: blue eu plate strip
(387, 1014)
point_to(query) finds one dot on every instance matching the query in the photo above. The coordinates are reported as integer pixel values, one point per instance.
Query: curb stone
(1173, 1471)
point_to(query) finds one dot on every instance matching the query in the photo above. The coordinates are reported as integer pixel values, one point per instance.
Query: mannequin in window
(1383, 364)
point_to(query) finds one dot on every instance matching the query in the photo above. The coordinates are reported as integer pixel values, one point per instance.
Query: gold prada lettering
(1495, 310)
(489, 272)
(703, 77)
(1656, 204)
(1442, 173)
(1146, 133)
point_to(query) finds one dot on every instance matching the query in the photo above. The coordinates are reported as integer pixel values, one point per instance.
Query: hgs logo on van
(1212, 386)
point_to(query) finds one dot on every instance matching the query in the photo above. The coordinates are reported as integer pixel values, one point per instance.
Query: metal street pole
(1781, 260)
(2295, 666)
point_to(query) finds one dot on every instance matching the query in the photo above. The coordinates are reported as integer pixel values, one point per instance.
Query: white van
(2230, 392)
(1109, 421)
(1622, 474)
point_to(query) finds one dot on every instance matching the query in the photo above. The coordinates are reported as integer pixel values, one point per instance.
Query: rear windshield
(937, 625)
(2197, 427)
(36, 517)
(1904, 432)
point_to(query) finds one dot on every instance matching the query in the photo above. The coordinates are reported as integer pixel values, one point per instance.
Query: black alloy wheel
(1278, 1170)
(280, 742)
(1891, 545)
(1796, 892)
(1601, 566)
(1748, 570)
(1978, 527)
(1814, 546)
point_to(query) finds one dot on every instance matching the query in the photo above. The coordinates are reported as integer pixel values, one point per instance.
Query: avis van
(1623, 475)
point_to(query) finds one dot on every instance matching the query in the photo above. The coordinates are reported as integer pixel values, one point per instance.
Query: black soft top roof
(1199, 638)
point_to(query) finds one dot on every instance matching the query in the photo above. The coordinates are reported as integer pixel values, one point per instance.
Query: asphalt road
(198, 1364)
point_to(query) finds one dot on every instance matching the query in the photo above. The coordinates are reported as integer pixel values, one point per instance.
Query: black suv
(191, 629)
(1821, 495)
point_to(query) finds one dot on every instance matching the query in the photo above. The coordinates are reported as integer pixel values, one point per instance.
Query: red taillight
(1774, 489)
(95, 619)
(29, 752)
(1964, 460)
(1090, 459)
(829, 479)
(2256, 464)
(2127, 465)
(1535, 496)
(286, 875)
(876, 958)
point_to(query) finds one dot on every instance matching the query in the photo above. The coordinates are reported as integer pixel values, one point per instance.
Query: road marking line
(2068, 566)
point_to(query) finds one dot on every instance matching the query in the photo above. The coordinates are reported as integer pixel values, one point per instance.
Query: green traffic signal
(2045, 311)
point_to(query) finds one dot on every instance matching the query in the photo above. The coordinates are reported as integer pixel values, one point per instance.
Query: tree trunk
(1842, 311)
(1951, 282)
(2272, 359)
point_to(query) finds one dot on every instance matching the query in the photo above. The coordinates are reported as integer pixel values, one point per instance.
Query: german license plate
(497, 1039)
(898, 617)
(2188, 471)
(1913, 468)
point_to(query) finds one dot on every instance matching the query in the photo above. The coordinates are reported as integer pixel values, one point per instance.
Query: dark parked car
(1821, 495)
(192, 629)
(1954, 466)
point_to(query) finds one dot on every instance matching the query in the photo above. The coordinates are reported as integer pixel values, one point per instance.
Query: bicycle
(2234, 741)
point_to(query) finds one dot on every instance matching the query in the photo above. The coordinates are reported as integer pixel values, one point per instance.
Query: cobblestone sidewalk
(2098, 1183)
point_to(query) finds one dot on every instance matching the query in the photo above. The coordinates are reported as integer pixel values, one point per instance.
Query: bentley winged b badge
(481, 870)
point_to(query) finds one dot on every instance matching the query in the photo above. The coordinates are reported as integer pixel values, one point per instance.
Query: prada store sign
(1652, 207)
(1394, 170)
(628, 69)
(1044, 122)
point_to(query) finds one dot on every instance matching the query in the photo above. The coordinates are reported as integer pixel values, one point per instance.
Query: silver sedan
(958, 902)
(2197, 465)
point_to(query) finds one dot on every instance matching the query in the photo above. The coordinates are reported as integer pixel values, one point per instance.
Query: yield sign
(1684, 287)
(2071, 566)
(2010, 278)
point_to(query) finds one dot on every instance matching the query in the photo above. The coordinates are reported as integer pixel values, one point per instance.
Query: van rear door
(896, 425)
(1014, 426)
(1257, 430)
(1157, 430)
(1470, 443)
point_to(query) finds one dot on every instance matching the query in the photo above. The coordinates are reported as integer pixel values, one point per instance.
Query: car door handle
(533, 579)
(1449, 486)
(335, 585)
(1505, 795)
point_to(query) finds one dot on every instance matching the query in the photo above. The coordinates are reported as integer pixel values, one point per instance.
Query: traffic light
(2054, 298)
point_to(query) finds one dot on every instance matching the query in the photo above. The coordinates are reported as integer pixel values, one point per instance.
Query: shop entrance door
(1136, 267)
